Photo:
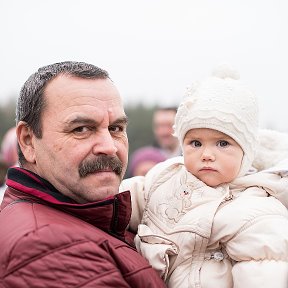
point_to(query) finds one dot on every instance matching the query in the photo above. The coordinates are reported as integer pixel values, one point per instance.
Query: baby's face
(212, 156)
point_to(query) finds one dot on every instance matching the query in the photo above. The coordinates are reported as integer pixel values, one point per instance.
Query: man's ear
(25, 137)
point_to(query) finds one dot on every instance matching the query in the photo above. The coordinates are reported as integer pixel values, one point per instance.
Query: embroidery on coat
(176, 208)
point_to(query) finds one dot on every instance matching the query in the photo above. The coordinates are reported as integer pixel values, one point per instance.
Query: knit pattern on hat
(224, 104)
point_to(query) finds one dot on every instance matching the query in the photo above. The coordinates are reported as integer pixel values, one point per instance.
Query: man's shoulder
(38, 229)
(25, 219)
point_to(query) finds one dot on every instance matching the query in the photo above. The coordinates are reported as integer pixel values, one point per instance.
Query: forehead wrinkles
(87, 109)
(70, 87)
(86, 103)
(79, 98)
(68, 96)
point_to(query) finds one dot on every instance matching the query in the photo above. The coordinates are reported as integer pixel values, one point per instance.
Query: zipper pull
(229, 197)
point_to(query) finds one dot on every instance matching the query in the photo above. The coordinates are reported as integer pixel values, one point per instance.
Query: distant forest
(139, 125)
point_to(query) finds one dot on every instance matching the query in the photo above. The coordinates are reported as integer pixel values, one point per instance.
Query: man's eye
(223, 143)
(195, 143)
(116, 129)
(81, 129)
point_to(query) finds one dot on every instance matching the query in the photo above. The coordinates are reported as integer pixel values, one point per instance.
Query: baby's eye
(223, 143)
(195, 143)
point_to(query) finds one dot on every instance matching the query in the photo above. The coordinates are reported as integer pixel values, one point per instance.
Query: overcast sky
(152, 48)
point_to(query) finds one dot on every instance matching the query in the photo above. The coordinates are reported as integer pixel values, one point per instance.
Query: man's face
(163, 121)
(83, 124)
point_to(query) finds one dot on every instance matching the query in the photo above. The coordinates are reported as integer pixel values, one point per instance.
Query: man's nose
(104, 144)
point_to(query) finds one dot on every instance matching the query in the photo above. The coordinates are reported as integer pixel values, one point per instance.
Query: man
(63, 223)
(163, 120)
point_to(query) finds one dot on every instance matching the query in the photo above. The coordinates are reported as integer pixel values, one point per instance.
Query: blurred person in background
(163, 120)
(9, 152)
(143, 159)
(8, 156)
(63, 222)
(3, 172)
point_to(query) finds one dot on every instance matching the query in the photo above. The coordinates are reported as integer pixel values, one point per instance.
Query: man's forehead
(81, 90)
(70, 82)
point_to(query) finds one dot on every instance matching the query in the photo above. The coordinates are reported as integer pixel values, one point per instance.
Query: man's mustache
(102, 162)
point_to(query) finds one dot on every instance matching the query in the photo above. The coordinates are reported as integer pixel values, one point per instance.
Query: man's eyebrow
(83, 120)
(123, 120)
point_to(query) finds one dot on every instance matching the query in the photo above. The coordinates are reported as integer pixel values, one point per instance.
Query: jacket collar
(111, 214)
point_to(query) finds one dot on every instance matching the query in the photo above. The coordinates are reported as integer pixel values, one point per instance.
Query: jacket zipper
(115, 217)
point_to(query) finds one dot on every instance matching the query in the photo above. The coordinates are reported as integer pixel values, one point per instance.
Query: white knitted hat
(221, 103)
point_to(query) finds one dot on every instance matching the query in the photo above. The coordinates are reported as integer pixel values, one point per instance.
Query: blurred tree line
(139, 131)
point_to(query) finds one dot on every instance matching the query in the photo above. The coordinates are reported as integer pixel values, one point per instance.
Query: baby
(206, 219)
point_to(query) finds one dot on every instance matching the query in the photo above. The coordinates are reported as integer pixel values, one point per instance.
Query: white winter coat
(198, 236)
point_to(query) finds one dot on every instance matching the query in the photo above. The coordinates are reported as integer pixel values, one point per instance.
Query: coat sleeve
(275, 181)
(260, 248)
(44, 262)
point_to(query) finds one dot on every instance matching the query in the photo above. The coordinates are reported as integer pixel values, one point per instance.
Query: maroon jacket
(48, 240)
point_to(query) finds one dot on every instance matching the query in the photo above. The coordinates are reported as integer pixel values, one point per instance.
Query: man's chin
(100, 179)
(98, 191)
